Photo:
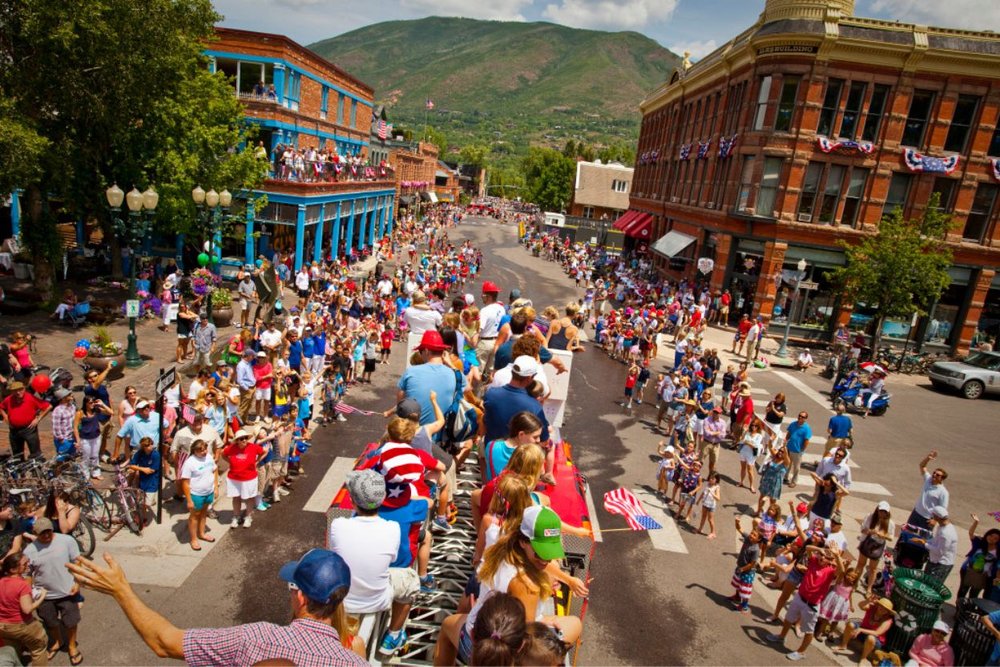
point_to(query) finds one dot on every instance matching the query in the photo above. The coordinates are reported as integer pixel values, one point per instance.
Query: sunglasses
(292, 587)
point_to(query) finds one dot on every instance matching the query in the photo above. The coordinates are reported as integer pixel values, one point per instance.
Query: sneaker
(341, 418)
(235, 523)
(105, 457)
(283, 491)
(427, 584)
(771, 637)
(247, 522)
(262, 507)
(392, 642)
(440, 525)
(795, 656)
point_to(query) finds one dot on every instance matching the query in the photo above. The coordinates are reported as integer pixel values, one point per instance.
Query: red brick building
(805, 129)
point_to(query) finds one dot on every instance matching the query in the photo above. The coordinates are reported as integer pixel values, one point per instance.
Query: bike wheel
(98, 510)
(131, 510)
(84, 536)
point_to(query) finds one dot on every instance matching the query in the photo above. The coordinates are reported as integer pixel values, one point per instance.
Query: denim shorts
(464, 645)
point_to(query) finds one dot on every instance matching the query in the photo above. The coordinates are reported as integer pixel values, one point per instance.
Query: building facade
(805, 130)
(600, 191)
(296, 98)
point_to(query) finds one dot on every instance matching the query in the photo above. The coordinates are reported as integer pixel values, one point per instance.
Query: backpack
(461, 421)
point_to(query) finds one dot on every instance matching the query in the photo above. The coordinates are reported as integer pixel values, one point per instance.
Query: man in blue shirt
(145, 423)
(433, 375)
(502, 403)
(839, 430)
(796, 441)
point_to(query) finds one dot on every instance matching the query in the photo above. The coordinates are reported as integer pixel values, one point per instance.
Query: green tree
(474, 154)
(113, 90)
(548, 176)
(437, 137)
(902, 268)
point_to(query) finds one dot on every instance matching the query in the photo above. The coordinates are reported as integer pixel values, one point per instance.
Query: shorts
(369, 365)
(61, 611)
(748, 455)
(628, 391)
(795, 576)
(243, 490)
(803, 612)
(405, 583)
(262, 394)
(857, 626)
(201, 502)
(464, 645)
(279, 467)
(687, 498)
(303, 293)
(181, 336)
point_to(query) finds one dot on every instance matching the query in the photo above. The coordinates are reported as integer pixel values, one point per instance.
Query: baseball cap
(941, 512)
(62, 393)
(490, 287)
(941, 626)
(515, 294)
(801, 508)
(318, 574)
(41, 525)
(883, 505)
(142, 404)
(544, 528)
(15, 385)
(525, 366)
(262, 353)
(836, 518)
(469, 299)
(221, 362)
(367, 488)
(408, 408)
(717, 409)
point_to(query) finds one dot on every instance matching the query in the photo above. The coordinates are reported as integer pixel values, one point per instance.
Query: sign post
(165, 380)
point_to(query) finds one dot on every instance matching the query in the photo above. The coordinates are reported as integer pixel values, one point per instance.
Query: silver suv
(979, 373)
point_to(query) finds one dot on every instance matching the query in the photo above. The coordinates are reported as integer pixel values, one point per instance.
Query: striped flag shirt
(403, 468)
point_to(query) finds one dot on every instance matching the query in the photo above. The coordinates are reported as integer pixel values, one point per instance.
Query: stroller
(78, 315)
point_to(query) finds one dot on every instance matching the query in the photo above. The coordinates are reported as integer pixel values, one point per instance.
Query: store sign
(706, 264)
(782, 49)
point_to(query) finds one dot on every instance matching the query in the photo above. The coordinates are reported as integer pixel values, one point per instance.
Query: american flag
(430, 103)
(350, 410)
(703, 149)
(381, 129)
(623, 502)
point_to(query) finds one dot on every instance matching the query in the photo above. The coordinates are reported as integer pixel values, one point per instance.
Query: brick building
(600, 191)
(804, 130)
(310, 102)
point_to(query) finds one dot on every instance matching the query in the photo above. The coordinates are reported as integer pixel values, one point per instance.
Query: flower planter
(222, 317)
(100, 363)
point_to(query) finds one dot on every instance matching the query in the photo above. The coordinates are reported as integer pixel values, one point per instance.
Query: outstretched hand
(110, 580)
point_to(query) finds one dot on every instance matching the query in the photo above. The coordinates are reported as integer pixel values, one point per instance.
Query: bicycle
(121, 506)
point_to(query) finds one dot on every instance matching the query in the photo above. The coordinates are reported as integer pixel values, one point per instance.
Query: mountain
(493, 80)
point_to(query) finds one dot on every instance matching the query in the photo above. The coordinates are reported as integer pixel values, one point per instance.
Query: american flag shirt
(305, 642)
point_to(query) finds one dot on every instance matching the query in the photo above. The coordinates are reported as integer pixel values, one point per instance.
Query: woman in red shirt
(241, 480)
(17, 604)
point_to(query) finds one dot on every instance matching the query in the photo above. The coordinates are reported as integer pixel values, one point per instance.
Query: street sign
(132, 308)
(165, 380)
(808, 285)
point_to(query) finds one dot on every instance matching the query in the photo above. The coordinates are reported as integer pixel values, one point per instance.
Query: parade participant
(432, 375)
(796, 441)
(980, 567)
(197, 484)
(525, 429)
(18, 624)
(490, 318)
(243, 457)
(822, 570)
(877, 530)
(746, 567)
(23, 412)
(931, 649)
(317, 584)
(934, 494)
(419, 316)
(49, 555)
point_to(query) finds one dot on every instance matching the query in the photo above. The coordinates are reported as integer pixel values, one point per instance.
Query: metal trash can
(971, 641)
(917, 598)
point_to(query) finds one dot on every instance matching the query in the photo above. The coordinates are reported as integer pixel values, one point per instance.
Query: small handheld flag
(430, 103)
(623, 502)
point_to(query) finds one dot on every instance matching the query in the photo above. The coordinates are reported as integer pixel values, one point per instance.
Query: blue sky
(694, 25)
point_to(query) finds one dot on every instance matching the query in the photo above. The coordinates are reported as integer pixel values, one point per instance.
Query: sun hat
(469, 299)
(544, 528)
(240, 434)
(408, 408)
(62, 393)
(836, 518)
(490, 287)
(941, 626)
(262, 353)
(886, 603)
(431, 340)
(525, 366)
(745, 392)
(367, 488)
(15, 385)
(319, 574)
(41, 525)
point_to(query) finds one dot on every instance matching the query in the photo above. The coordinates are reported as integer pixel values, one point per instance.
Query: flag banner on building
(726, 146)
(382, 129)
(995, 163)
(932, 165)
(430, 103)
(623, 502)
(350, 410)
(703, 150)
(828, 146)
(995, 515)
(685, 151)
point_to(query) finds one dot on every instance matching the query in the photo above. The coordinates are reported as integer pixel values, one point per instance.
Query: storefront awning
(672, 243)
(641, 227)
(425, 196)
(626, 218)
(406, 200)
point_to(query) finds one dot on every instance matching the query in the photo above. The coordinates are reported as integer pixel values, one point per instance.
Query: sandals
(76, 659)
(53, 652)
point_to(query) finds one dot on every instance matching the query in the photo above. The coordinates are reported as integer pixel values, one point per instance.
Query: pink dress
(836, 606)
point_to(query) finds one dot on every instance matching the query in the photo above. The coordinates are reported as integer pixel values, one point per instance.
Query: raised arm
(927, 459)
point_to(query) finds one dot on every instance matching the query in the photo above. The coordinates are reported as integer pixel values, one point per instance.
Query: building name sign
(779, 49)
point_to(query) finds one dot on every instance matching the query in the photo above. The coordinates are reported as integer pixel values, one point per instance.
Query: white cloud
(495, 10)
(698, 49)
(615, 14)
(967, 14)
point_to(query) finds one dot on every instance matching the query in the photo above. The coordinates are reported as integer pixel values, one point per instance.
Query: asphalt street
(655, 599)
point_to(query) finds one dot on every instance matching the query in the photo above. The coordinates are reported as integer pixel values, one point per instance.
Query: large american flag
(381, 129)
(623, 502)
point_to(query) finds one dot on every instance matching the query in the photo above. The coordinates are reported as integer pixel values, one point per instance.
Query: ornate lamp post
(132, 231)
(210, 219)
(783, 348)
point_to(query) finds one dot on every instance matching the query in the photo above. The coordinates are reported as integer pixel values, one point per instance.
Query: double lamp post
(210, 220)
(783, 349)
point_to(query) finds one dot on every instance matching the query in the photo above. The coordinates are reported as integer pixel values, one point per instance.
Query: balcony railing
(255, 97)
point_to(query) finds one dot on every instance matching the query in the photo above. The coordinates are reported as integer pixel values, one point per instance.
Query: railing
(265, 98)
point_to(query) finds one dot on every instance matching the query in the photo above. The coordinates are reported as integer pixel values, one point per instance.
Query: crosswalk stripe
(870, 488)
(669, 537)
(805, 389)
(328, 487)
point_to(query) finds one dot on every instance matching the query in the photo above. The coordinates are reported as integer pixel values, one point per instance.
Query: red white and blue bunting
(649, 157)
(703, 149)
(685, 152)
(828, 146)
(995, 163)
(933, 165)
(726, 146)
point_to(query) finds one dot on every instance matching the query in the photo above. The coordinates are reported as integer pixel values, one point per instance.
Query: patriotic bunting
(726, 146)
(828, 146)
(685, 152)
(932, 165)
(623, 502)
(703, 150)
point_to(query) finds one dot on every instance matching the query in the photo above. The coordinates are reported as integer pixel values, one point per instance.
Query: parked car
(979, 373)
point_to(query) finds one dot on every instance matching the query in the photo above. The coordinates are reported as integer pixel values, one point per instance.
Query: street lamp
(208, 204)
(783, 348)
(132, 233)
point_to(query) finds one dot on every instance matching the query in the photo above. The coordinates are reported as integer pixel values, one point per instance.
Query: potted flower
(105, 352)
(222, 307)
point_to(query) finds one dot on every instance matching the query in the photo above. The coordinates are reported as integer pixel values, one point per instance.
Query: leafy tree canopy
(548, 175)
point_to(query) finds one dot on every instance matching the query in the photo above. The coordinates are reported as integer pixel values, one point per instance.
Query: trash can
(970, 639)
(917, 599)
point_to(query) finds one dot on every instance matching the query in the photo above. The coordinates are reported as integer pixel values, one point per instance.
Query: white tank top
(501, 580)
